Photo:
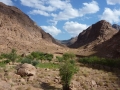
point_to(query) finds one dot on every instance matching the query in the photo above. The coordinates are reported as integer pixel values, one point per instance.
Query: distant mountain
(94, 35)
(69, 41)
(116, 26)
(18, 31)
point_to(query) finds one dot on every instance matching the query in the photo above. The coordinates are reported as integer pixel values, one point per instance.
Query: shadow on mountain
(47, 86)
(109, 48)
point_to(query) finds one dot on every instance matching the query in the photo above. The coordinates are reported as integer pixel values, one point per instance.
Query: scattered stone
(93, 83)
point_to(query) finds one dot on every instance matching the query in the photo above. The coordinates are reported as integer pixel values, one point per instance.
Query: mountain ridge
(20, 32)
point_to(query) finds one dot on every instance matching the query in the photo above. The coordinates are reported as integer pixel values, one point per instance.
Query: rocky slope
(110, 48)
(18, 31)
(95, 35)
(116, 26)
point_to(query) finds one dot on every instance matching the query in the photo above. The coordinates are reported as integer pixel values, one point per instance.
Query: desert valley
(31, 59)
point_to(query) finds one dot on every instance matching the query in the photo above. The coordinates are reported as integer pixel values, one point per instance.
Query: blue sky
(64, 19)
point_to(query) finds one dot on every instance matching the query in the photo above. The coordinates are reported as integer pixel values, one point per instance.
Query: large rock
(26, 70)
(4, 85)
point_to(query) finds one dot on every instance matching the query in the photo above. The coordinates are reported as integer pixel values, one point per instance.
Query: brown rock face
(18, 31)
(110, 48)
(94, 35)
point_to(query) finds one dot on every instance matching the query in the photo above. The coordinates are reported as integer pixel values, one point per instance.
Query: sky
(64, 19)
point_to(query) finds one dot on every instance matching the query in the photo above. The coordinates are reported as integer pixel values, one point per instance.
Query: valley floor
(88, 78)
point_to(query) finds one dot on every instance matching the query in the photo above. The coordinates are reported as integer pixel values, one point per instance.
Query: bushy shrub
(34, 63)
(101, 61)
(49, 57)
(68, 56)
(67, 70)
(59, 59)
(26, 60)
(12, 56)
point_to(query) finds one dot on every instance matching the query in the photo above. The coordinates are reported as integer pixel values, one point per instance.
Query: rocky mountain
(69, 41)
(95, 35)
(116, 26)
(18, 31)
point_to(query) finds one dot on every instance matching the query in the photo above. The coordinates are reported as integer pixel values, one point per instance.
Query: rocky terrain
(87, 78)
(110, 48)
(100, 39)
(116, 26)
(20, 32)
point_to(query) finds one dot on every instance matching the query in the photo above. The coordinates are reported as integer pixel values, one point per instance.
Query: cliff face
(94, 35)
(18, 31)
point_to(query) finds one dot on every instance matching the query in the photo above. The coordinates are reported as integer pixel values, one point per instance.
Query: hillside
(116, 26)
(94, 35)
(110, 48)
(20, 32)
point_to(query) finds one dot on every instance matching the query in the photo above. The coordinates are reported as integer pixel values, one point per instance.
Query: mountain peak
(98, 32)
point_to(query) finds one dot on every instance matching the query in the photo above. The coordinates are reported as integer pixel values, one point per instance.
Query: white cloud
(89, 8)
(113, 16)
(60, 9)
(69, 12)
(38, 4)
(7, 2)
(51, 29)
(34, 12)
(74, 28)
(113, 2)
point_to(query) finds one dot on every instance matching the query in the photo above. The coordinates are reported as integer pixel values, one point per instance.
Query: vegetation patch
(48, 65)
(113, 63)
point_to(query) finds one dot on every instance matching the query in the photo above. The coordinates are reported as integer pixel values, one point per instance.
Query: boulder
(26, 70)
